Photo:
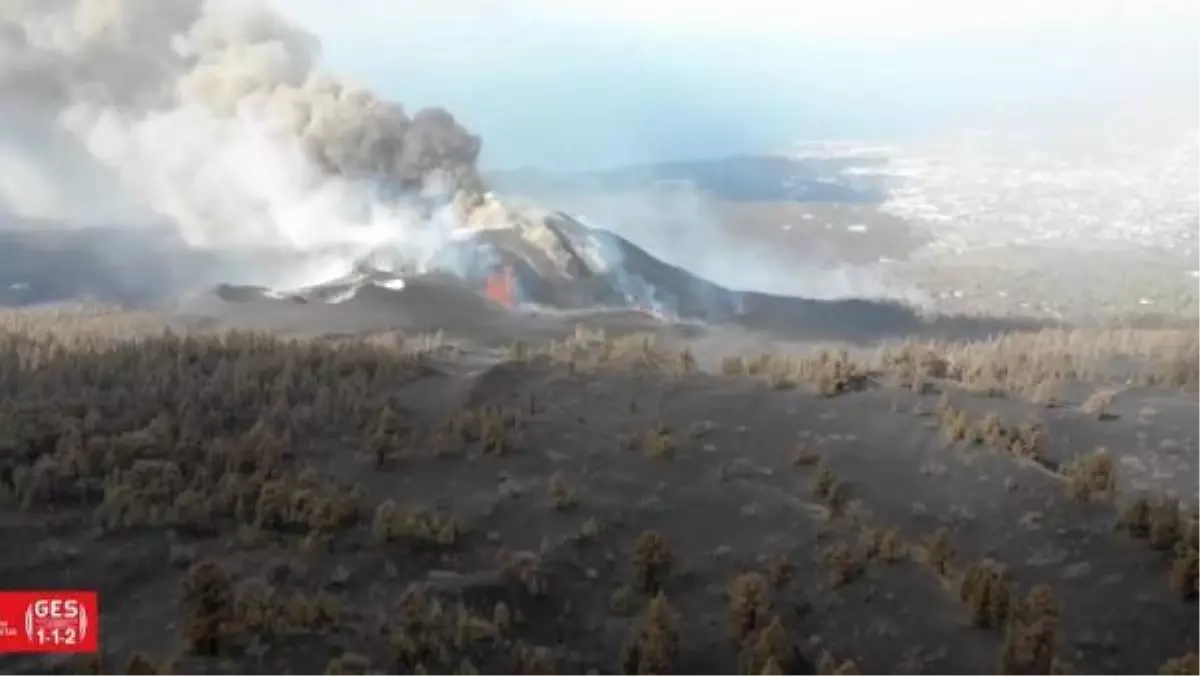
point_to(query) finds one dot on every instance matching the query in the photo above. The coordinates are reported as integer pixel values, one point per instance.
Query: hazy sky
(588, 83)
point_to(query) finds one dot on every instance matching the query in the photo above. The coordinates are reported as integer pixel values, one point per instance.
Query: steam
(686, 232)
(209, 116)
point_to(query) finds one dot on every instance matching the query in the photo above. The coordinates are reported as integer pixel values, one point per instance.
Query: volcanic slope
(564, 272)
(391, 504)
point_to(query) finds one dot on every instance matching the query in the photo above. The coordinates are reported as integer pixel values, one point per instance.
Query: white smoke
(680, 225)
(210, 115)
(25, 187)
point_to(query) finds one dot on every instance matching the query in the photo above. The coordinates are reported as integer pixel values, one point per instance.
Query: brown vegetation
(749, 605)
(1031, 636)
(1091, 476)
(654, 647)
(652, 561)
(986, 591)
(230, 434)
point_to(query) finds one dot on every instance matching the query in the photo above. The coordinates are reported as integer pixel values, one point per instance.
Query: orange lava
(499, 287)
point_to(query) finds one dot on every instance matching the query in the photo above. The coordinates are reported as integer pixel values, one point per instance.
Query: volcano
(499, 271)
(528, 259)
(505, 266)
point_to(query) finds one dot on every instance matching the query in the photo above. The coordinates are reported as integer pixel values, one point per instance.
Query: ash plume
(209, 121)
(211, 116)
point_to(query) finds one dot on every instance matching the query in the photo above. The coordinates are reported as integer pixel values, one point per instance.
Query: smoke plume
(209, 121)
(210, 116)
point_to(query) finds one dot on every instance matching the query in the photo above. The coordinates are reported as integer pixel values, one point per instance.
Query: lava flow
(499, 287)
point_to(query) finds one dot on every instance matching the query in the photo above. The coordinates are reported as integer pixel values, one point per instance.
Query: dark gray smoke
(210, 115)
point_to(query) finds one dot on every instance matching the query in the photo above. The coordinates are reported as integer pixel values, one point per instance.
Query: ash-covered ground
(626, 499)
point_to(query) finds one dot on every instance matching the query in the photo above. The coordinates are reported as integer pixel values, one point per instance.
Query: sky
(596, 83)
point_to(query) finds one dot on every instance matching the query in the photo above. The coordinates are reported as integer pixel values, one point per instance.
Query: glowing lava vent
(499, 287)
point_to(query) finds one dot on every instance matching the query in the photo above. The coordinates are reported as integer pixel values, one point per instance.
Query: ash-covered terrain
(300, 391)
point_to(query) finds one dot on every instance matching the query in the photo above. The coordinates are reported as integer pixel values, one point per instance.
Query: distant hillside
(748, 178)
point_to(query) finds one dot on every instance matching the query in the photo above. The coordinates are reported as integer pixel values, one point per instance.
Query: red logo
(49, 621)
